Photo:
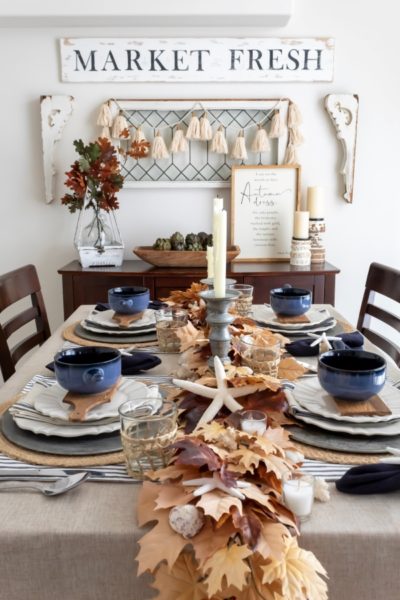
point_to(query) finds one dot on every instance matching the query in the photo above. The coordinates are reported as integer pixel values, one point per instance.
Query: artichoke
(162, 244)
(177, 241)
(203, 237)
(192, 240)
(210, 241)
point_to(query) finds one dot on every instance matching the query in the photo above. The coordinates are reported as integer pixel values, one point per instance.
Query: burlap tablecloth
(81, 546)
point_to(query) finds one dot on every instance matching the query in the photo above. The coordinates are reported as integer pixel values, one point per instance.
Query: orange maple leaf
(228, 563)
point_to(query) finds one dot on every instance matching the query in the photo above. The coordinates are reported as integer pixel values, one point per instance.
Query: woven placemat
(52, 460)
(70, 335)
(340, 458)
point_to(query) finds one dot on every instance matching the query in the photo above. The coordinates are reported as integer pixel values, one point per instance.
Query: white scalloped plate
(266, 315)
(105, 319)
(68, 431)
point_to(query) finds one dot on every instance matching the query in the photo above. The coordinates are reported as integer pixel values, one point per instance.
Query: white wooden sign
(196, 60)
(264, 199)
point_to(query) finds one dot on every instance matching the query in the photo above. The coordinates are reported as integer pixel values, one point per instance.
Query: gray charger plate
(342, 442)
(113, 339)
(82, 446)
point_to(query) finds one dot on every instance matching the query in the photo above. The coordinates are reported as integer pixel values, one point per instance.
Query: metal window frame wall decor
(199, 166)
(264, 199)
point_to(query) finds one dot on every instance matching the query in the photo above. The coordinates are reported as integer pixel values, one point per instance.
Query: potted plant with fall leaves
(94, 180)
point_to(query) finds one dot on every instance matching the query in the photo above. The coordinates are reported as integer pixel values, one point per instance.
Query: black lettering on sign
(178, 60)
(79, 59)
(235, 59)
(156, 60)
(275, 54)
(255, 59)
(292, 58)
(131, 60)
(199, 58)
(110, 60)
(308, 59)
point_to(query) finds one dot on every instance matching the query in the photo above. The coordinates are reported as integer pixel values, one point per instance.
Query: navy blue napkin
(370, 479)
(349, 341)
(133, 364)
(154, 304)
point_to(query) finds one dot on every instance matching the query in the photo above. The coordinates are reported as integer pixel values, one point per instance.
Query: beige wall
(366, 63)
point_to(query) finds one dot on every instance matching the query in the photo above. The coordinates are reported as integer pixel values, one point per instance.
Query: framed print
(264, 200)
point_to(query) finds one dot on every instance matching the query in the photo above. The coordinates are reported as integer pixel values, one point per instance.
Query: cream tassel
(179, 142)
(119, 126)
(159, 149)
(219, 143)
(294, 116)
(278, 126)
(193, 130)
(261, 141)
(290, 155)
(295, 137)
(239, 148)
(105, 116)
(205, 128)
(105, 133)
(140, 147)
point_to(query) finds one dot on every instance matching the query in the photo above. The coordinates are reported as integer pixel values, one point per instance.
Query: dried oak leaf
(172, 495)
(290, 369)
(298, 572)
(159, 544)
(217, 503)
(172, 472)
(196, 453)
(147, 502)
(230, 564)
(187, 336)
(211, 538)
(248, 524)
(139, 149)
(184, 298)
(183, 582)
(266, 400)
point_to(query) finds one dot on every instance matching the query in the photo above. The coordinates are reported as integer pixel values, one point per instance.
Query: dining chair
(386, 281)
(14, 286)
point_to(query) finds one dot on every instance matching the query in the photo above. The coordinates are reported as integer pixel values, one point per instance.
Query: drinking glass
(146, 435)
(298, 493)
(260, 358)
(168, 322)
(244, 303)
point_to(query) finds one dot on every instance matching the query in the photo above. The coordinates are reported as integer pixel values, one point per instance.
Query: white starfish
(323, 341)
(221, 395)
(207, 484)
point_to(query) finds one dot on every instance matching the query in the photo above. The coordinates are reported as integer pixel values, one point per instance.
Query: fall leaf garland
(247, 549)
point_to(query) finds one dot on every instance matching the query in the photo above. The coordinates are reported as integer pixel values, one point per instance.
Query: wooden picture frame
(264, 199)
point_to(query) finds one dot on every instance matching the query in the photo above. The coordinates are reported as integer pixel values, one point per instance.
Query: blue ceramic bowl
(128, 300)
(290, 301)
(351, 374)
(88, 370)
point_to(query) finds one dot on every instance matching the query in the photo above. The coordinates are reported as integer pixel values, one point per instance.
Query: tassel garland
(205, 128)
(290, 155)
(278, 126)
(193, 130)
(105, 133)
(294, 116)
(140, 147)
(159, 149)
(105, 116)
(239, 149)
(219, 143)
(179, 142)
(295, 137)
(120, 126)
(261, 141)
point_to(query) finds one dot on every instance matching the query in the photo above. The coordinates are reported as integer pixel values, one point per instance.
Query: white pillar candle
(315, 202)
(298, 496)
(301, 222)
(217, 208)
(210, 262)
(220, 255)
(253, 422)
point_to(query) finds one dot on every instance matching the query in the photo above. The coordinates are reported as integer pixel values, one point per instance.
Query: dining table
(82, 545)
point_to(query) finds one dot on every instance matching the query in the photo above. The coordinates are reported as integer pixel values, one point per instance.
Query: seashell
(187, 520)
(321, 490)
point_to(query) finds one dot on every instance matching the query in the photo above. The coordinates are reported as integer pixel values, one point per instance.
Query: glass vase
(98, 239)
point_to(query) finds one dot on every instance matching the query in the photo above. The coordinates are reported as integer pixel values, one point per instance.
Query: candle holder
(300, 253)
(210, 282)
(317, 231)
(219, 318)
(253, 421)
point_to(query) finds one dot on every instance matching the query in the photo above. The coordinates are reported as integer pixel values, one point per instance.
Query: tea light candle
(253, 421)
(301, 223)
(210, 262)
(220, 254)
(298, 494)
(315, 202)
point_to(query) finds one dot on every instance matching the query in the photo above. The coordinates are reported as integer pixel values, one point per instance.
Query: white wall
(366, 63)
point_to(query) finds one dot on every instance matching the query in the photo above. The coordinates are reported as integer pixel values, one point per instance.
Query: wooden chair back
(386, 281)
(15, 286)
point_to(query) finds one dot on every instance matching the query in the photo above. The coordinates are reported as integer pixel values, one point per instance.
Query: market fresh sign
(196, 59)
